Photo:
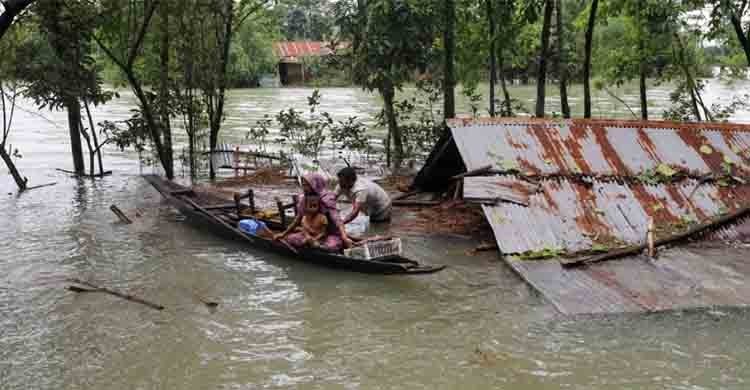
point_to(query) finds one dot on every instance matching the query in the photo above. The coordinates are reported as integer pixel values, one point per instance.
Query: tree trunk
(642, 65)
(74, 128)
(92, 151)
(508, 110)
(744, 41)
(166, 128)
(587, 60)
(95, 139)
(152, 123)
(644, 98)
(388, 94)
(562, 63)
(493, 55)
(218, 113)
(12, 9)
(689, 81)
(541, 79)
(92, 166)
(449, 35)
(20, 181)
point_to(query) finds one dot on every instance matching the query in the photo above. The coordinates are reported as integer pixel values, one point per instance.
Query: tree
(541, 80)
(123, 29)
(493, 53)
(384, 60)
(8, 104)
(9, 91)
(561, 59)
(509, 30)
(306, 20)
(734, 11)
(11, 9)
(163, 85)
(587, 59)
(449, 40)
(217, 30)
(68, 74)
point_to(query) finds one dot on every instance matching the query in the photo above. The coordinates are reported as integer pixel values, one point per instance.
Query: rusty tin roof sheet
(576, 214)
(291, 51)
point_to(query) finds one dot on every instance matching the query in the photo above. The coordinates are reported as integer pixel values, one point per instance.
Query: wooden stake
(650, 240)
(124, 218)
(474, 172)
(251, 200)
(282, 212)
(237, 203)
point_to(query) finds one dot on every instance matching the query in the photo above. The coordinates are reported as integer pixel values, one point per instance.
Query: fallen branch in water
(204, 301)
(106, 173)
(713, 224)
(124, 218)
(95, 288)
(40, 186)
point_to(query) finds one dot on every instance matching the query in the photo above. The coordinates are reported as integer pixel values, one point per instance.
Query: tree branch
(253, 10)
(741, 11)
(12, 9)
(5, 120)
(621, 101)
(110, 54)
(141, 34)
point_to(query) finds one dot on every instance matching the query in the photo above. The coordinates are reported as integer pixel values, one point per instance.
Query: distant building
(291, 54)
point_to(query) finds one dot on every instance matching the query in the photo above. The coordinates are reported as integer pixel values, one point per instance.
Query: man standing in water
(366, 197)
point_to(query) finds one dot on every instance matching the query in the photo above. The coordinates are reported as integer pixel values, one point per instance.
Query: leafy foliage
(305, 136)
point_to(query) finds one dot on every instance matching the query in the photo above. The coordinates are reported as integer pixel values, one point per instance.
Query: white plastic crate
(375, 249)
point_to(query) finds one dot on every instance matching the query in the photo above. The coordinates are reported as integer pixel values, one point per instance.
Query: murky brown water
(285, 324)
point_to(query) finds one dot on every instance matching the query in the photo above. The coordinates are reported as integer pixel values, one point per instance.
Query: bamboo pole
(95, 288)
(637, 249)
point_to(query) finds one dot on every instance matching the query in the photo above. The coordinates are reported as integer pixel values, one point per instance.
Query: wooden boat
(211, 212)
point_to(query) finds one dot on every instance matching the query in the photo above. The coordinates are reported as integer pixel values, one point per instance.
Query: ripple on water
(283, 324)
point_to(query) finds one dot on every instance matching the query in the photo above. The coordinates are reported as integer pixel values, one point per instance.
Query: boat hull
(180, 198)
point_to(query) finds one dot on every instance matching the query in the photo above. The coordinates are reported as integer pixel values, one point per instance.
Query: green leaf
(665, 170)
(706, 149)
(509, 165)
(728, 160)
(599, 248)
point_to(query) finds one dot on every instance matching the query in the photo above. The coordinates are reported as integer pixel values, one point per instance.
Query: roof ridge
(628, 123)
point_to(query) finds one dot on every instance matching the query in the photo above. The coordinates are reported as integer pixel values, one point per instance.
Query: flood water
(285, 324)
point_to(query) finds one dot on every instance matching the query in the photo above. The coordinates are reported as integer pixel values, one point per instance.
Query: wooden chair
(284, 207)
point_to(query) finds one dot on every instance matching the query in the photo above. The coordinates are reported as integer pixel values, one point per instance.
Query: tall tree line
(180, 57)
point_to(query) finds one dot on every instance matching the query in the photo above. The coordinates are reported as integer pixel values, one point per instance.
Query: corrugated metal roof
(291, 51)
(584, 196)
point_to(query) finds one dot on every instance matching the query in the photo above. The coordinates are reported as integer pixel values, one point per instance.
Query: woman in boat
(315, 185)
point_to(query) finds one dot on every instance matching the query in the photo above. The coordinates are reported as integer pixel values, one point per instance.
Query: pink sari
(331, 242)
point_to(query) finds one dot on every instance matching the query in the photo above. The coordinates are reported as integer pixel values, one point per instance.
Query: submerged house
(575, 186)
(291, 55)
